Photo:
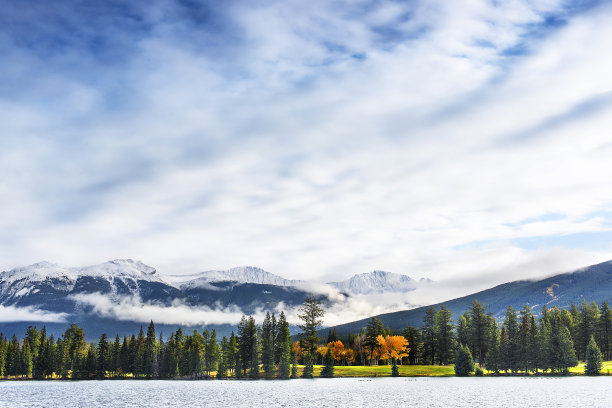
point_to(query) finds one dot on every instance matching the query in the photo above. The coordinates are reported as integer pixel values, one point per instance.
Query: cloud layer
(428, 138)
(10, 314)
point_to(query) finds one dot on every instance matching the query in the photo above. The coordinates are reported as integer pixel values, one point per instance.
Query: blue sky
(313, 139)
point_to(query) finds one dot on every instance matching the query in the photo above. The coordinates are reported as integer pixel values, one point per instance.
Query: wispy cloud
(29, 314)
(313, 141)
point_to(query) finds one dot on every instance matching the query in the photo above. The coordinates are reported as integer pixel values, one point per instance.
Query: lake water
(335, 392)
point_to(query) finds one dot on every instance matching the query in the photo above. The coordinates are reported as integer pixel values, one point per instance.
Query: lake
(353, 392)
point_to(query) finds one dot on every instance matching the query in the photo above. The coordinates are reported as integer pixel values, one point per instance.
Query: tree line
(551, 342)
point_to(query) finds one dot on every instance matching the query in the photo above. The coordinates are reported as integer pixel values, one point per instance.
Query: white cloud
(290, 154)
(10, 314)
(130, 308)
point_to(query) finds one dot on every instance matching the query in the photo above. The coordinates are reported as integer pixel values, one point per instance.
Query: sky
(462, 141)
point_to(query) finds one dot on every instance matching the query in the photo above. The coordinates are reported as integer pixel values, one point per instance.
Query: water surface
(353, 392)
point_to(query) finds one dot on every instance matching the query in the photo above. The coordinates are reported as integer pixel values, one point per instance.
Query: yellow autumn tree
(337, 350)
(392, 347)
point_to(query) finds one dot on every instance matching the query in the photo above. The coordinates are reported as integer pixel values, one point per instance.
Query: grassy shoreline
(379, 371)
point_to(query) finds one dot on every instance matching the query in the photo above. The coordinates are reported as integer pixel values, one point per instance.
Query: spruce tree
(374, 329)
(328, 369)
(149, 360)
(479, 329)
(308, 367)
(428, 335)
(267, 346)
(103, 356)
(212, 353)
(464, 363)
(284, 347)
(594, 360)
(294, 368)
(232, 354)
(511, 350)
(311, 314)
(444, 339)
(604, 328)
(394, 369)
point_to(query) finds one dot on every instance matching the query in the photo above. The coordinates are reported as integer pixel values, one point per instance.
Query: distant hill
(593, 283)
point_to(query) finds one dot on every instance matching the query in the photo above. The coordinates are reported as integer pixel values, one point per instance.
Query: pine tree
(308, 367)
(267, 346)
(27, 362)
(479, 329)
(464, 363)
(124, 357)
(103, 356)
(311, 314)
(463, 329)
(413, 336)
(493, 357)
(594, 360)
(394, 370)
(587, 321)
(149, 357)
(428, 335)
(511, 349)
(373, 330)
(523, 340)
(328, 369)
(232, 354)
(605, 331)
(445, 341)
(284, 347)
(3, 346)
(212, 353)
(294, 368)
(115, 364)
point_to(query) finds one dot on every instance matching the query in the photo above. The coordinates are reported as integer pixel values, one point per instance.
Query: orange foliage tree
(392, 347)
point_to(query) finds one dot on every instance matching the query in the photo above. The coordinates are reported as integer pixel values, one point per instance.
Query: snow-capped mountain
(377, 282)
(243, 274)
(121, 276)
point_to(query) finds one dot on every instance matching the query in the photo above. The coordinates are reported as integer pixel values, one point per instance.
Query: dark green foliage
(149, 358)
(103, 356)
(479, 330)
(373, 330)
(478, 372)
(308, 367)
(328, 369)
(444, 338)
(510, 342)
(267, 345)
(464, 363)
(594, 359)
(311, 314)
(394, 370)
(248, 347)
(284, 347)
(211, 353)
(428, 335)
(413, 335)
(294, 368)
(604, 331)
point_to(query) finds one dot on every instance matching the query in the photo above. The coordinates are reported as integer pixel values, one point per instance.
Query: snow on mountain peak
(64, 278)
(242, 274)
(376, 282)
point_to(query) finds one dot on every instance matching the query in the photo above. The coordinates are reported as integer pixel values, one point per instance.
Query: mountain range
(73, 292)
(99, 297)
